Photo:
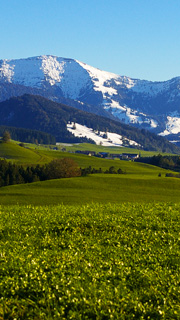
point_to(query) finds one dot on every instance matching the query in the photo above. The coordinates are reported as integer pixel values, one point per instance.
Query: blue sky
(136, 38)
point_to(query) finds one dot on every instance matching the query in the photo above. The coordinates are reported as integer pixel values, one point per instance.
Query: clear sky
(136, 38)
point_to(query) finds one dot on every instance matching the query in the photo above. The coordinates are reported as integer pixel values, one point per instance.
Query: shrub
(6, 136)
(62, 168)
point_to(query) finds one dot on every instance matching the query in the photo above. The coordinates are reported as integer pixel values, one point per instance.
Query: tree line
(28, 135)
(111, 170)
(11, 173)
(166, 162)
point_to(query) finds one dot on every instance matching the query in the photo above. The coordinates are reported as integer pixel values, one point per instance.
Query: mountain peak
(137, 102)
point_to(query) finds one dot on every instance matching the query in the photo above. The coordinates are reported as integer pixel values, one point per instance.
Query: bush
(6, 136)
(62, 168)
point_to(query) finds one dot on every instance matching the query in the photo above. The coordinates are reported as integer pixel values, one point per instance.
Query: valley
(95, 246)
(139, 183)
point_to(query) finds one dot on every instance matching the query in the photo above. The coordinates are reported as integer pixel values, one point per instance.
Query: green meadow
(94, 188)
(141, 182)
(103, 246)
(113, 261)
(98, 148)
(13, 152)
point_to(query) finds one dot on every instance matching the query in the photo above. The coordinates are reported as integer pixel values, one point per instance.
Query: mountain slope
(145, 104)
(36, 112)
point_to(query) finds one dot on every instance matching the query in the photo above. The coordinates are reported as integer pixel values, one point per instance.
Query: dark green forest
(28, 135)
(166, 162)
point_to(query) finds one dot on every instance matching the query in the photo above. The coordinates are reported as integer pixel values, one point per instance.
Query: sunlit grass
(94, 188)
(90, 262)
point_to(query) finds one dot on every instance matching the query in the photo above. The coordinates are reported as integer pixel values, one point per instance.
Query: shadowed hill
(38, 113)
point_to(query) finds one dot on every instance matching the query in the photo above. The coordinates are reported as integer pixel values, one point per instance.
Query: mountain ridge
(145, 104)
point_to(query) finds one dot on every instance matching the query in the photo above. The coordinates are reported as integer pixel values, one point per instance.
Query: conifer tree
(6, 136)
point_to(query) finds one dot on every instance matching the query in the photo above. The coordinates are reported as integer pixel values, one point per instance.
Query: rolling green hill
(42, 154)
(12, 151)
(140, 184)
(99, 148)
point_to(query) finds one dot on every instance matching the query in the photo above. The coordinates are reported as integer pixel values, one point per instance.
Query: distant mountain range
(151, 105)
(69, 124)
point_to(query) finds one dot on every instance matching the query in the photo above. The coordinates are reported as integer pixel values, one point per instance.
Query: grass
(12, 151)
(93, 147)
(90, 262)
(94, 188)
(33, 154)
(97, 247)
(86, 161)
(118, 150)
(140, 183)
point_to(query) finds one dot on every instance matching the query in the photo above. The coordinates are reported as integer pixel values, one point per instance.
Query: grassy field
(91, 147)
(90, 262)
(94, 188)
(140, 183)
(98, 148)
(12, 151)
(104, 246)
(33, 154)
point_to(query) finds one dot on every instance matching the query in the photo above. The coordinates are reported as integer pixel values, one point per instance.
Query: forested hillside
(38, 113)
(28, 135)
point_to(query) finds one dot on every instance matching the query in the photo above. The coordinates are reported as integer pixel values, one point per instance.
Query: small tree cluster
(112, 170)
(62, 168)
(90, 170)
(6, 136)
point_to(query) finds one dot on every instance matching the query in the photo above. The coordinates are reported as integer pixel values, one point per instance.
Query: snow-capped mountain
(145, 104)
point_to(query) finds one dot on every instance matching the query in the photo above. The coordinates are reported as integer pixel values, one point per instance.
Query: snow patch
(103, 138)
(172, 126)
(148, 87)
(153, 123)
(128, 115)
(53, 69)
(6, 71)
(100, 79)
